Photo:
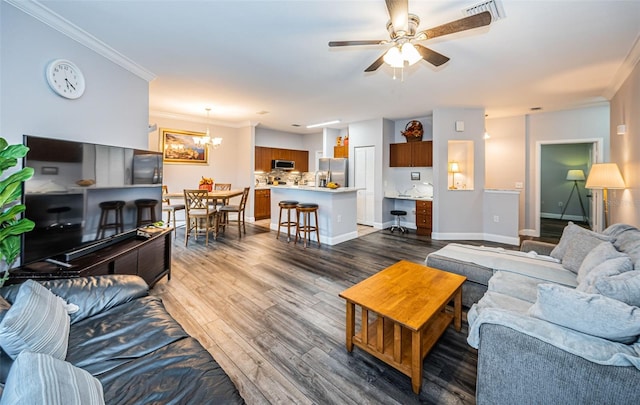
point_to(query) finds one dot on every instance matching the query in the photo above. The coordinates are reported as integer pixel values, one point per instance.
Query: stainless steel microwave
(283, 164)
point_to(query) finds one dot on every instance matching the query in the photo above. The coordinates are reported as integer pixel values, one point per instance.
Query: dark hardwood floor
(270, 314)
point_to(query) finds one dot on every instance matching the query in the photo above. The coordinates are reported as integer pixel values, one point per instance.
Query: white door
(364, 168)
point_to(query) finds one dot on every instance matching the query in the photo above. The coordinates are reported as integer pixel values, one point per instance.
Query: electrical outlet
(519, 184)
(560, 203)
(496, 218)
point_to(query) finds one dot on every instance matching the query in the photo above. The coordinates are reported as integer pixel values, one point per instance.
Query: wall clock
(65, 78)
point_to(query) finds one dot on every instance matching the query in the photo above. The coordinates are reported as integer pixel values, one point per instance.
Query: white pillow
(37, 321)
(37, 378)
(592, 314)
(608, 268)
(569, 234)
(623, 287)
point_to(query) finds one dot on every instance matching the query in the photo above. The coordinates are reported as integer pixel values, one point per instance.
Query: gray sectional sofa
(554, 323)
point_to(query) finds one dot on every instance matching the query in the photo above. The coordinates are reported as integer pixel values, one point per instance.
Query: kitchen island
(336, 210)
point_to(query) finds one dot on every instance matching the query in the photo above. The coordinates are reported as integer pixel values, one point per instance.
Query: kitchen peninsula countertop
(314, 188)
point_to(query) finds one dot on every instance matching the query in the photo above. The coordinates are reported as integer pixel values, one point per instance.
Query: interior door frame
(597, 156)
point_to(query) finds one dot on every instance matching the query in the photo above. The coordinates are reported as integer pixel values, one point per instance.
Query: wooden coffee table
(408, 303)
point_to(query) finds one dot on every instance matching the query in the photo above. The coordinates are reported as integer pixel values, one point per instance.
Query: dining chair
(239, 209)
(169, 208)
(198, 212)
(225, 201)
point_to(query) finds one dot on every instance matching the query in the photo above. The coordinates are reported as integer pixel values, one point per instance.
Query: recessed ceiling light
(536, 108)
(296, 125)
(263, 112)
(321, 124)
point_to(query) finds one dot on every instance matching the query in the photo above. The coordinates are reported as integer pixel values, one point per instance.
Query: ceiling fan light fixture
(410, 53)
(394, 58)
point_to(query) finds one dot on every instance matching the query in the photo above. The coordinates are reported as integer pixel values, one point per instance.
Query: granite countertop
(315, 189)
(397, 196)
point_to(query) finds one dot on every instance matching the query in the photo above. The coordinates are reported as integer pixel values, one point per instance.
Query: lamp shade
(454, 167)
(393, 58)
(605, 175)
(575, 175)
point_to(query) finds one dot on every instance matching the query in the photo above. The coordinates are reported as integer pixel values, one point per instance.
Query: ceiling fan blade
(399, 14)
(431, 56)
(463, 24)
(364, 42)
(375, 65)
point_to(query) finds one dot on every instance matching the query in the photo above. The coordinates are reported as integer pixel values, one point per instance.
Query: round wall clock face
(65, 78)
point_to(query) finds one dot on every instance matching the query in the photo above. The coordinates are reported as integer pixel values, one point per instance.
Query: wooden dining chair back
(222, 187)
(239, 209)
(169, 208)
(199, 215)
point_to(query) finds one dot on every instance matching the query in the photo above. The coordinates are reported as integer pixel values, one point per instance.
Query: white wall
(312, 143)
(278, 139)
(625, 150)
(113, 109)
(458, 214)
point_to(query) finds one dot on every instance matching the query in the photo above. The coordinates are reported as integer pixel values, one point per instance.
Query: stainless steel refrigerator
(336, 170)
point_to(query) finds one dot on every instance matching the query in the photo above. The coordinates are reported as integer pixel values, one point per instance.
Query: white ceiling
(244, 57)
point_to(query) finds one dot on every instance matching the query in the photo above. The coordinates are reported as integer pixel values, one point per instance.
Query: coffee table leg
(351, 324)
(416, 361)
(457, 310)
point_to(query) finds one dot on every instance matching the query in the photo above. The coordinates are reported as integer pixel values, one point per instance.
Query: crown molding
(630, 61)
(42, 13)
(200, 120)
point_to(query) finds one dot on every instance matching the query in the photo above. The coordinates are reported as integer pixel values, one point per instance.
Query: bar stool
(150, 206)
(398, 214)
(305, 209)
(106, 207)
(287, 205)
(58, 211)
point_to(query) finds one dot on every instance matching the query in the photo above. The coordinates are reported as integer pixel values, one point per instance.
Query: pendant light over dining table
(207, 140)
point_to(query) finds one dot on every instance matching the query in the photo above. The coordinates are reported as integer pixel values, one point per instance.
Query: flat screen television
(70, 180)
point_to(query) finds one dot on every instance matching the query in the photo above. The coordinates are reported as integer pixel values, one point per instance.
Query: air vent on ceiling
(492, 6)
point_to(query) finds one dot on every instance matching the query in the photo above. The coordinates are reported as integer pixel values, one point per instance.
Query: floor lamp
(575, 176)
(603, 176)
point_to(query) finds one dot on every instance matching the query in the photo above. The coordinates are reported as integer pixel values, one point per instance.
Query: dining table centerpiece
(206, 183)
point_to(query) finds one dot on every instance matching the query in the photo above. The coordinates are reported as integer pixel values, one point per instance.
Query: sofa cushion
(578, 248)
(600, 254)
(493, 300)
(627, 240)
(608, 268)
(593, 314)
(623, 287)
(515, 285)
(37, 321)
(38, 378)
(574, 234)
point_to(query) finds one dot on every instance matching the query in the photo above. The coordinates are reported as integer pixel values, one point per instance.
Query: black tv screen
(70, 180)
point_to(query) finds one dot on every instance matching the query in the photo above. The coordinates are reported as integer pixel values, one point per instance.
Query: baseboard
(529, 232)
(477, 236)
(509, 240)
(567, 217)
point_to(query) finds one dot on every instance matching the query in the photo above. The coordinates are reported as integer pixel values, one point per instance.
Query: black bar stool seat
(398, 214)
(106, 207)
(146, 206)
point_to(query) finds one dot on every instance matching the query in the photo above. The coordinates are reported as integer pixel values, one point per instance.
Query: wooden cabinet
(423, 217)
(264, 156)
(341, 151)
(147, 258)
(411, 154)
(262, 206)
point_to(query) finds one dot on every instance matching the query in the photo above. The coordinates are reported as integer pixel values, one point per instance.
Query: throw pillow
(37, 378)
(592, 314)
(37, 321)
(608, 268)
(578, 247)
(623, 287)
(600, 254)
(569, 233)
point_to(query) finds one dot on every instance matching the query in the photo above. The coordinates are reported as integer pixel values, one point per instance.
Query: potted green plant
(11, 223)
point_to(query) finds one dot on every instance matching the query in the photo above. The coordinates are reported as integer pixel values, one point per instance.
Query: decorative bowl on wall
(413, 131)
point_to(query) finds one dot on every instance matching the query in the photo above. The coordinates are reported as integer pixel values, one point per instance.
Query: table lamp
(453, 169)
(603, 176)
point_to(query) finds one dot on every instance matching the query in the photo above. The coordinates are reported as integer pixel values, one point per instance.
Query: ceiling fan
(402, 28)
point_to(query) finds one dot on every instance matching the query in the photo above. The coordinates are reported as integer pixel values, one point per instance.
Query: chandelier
(207, 140)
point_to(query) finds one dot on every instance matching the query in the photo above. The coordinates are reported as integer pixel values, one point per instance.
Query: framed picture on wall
(180, 146)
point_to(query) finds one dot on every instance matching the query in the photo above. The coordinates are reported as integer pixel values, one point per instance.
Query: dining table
(213, 196)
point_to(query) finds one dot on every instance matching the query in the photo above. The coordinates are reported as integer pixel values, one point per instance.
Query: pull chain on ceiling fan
(402, 28)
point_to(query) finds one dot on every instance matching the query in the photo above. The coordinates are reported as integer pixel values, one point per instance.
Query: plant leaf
(16, 228)
(14, 151)
(7, 163)
(10, 249)
(11, 213)
(3, 144)
(10, 188)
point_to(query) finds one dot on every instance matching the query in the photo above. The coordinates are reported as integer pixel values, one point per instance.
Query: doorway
(562, 171)
(364, 171)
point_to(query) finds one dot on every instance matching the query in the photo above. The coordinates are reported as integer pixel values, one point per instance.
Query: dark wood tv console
(147, 258)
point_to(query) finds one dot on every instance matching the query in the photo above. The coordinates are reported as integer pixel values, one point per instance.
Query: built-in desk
(423, 212)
